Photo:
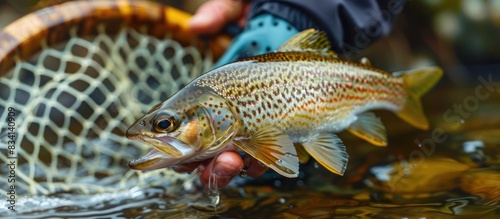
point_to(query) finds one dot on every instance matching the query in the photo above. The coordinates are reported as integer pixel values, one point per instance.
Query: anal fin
(272, 147)
(329, 151)
(369, 128)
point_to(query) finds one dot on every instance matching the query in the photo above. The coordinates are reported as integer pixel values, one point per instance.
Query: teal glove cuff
(262, 34)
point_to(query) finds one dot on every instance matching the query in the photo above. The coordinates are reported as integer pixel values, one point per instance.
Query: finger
(245, 11)
(255, 167)
(224, 168)
(214, 14)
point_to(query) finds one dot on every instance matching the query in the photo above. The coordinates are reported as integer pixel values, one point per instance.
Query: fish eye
(165, 123)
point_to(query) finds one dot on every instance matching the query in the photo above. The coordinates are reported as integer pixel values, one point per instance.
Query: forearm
(349, 24)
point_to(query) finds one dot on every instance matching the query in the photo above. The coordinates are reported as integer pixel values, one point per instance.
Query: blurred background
(462, 36)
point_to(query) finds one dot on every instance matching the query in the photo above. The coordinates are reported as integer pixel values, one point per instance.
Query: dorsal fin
(309, 40)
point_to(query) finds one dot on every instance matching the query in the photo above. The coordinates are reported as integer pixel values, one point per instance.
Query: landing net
(74, 102)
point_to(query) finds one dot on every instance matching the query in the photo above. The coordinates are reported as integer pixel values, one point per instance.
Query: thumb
(214, 14)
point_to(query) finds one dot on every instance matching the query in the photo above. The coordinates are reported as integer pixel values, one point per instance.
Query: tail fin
(418, 82)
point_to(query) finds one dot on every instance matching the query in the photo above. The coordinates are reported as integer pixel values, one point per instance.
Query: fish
(281, 108)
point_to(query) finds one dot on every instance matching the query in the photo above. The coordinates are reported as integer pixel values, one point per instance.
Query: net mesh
(74, 103)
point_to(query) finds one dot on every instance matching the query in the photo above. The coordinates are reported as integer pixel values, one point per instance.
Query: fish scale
(296, 91)
(267, 105)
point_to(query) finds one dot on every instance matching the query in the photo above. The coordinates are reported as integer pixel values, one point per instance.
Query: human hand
(208, 19)
(214, 14)
(224, 167)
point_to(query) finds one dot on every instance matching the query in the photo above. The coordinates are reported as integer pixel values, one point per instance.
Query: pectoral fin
(369, 128)
(272, 147)
(329, 151)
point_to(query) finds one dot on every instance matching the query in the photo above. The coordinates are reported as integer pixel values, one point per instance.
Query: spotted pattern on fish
(297, 91)
(263, 105)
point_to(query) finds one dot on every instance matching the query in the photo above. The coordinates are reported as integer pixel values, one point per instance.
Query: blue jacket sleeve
(350, 24)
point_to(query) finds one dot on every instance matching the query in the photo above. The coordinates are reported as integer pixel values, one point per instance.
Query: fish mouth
(151, 161)
(167, 151)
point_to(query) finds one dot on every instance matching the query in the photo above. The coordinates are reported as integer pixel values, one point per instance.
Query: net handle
(24, 37)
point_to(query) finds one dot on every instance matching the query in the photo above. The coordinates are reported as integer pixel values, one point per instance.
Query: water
(449, 171)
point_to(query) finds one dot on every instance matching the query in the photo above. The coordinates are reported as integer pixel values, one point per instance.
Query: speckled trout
(281, 107)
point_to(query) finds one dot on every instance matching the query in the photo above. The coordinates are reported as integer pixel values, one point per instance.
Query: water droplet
(419, 145)
(214, 196)
(142, 123)
(277, 183)
(282, 200)
(462, 121)
(213, 191)
(280, 161)
(316, 165)
(243, 173)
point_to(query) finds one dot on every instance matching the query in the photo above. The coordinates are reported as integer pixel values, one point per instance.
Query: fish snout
(132, 136)
(134, 131)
